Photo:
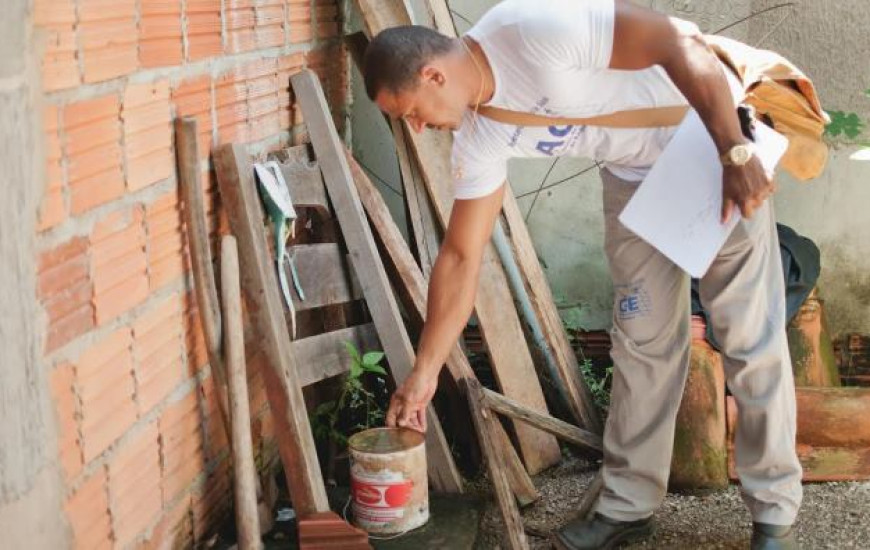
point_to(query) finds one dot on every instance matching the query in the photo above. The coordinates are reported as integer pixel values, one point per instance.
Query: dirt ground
(833, 515)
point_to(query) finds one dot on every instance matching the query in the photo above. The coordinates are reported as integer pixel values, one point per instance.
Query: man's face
(432, 103)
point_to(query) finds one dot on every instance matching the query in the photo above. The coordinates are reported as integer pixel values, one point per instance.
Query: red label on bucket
(381, 494)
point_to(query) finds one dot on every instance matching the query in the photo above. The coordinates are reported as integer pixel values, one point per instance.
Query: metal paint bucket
(388, 480)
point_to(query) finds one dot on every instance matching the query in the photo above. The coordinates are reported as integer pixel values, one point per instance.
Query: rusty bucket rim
(420, 439)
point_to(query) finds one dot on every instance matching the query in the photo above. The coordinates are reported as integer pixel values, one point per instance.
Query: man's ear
(432, 75)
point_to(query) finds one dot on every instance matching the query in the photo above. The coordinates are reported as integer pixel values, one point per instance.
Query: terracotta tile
(162, 52)
(66, 302)
(150, 168)
(86, 111)
(66, 329)
(61, 265)
(54, 12)
(182, 445)
(134, 486)
(263, 106)
(270, 37)
(160, 7)
(176, 526)
(110, 62)
(88, 514)
(62, 380)
(102, 10)
(104, 375)
(239, 4)
(202, 46)
(59, 64)
(242, 40)
(212, 502)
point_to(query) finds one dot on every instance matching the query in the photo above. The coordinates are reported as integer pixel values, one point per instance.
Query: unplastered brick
(108, 38)
(104, 374)
(212, 500)
(88, 513)
(166, 252)
(63, 392)
(92, 141)
(119, 263)
(160, 41)
(193, 98)
(181, 437)
(134, 486)
(52, 211)
(299, 17)
(147, 134)
(157, 350)
(65, 291)
(203, 28)
(328, 22)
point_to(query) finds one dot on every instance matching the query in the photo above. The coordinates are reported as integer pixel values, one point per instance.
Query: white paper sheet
(677, 208)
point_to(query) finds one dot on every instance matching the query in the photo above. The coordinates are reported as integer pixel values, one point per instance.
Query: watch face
(741, 154)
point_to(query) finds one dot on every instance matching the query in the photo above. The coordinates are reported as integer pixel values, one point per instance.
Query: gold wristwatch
(738, 155)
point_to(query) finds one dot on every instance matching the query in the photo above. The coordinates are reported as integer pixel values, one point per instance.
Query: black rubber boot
(601, 532)
(766, 536)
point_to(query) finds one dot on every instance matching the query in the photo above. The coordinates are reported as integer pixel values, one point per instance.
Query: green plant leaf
(377, 369)
(372, 357)
(352, 351)
(356, 369)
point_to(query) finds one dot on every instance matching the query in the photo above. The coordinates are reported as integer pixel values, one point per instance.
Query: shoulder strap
(636, 118)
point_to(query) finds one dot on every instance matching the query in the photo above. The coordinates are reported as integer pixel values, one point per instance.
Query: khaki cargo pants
(743, 293)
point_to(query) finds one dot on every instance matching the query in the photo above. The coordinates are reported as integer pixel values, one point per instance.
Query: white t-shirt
(550, 57)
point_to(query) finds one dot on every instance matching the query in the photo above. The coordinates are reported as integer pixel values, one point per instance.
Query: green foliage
(598, 386)
(356, 408)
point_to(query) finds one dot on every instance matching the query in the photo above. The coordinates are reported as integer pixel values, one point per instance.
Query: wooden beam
(323, 275)
(304, 179)
(244, 469)
(260, 285)
(323, 356)
(563, 430)
(367, 265)
(483, 419)
(579, 398)
(411, 281)
(499, 321)
(187, 158)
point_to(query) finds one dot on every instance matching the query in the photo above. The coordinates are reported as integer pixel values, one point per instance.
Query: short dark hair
(395, 56)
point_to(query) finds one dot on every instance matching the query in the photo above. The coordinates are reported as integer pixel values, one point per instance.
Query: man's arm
(452, 288)
(643, 38)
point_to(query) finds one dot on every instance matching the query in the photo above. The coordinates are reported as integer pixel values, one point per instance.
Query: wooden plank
(323, 274)
(304, 179)
(187, 157)
(244, 469)
(483, 419)
(414, 287)
(499, 321)
(563, 430)
(382, 14)
(441, 15)
(367, 264)
(260, 285)
(422, 217)
(579, 398)
(323, 356)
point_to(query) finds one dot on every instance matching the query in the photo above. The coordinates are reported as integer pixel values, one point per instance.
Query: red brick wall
(141, 444)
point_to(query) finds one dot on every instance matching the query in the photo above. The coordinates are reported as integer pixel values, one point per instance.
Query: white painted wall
(827, 38)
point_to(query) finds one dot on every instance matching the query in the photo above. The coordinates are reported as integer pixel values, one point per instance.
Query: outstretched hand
(409, 402)
(746, 187)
